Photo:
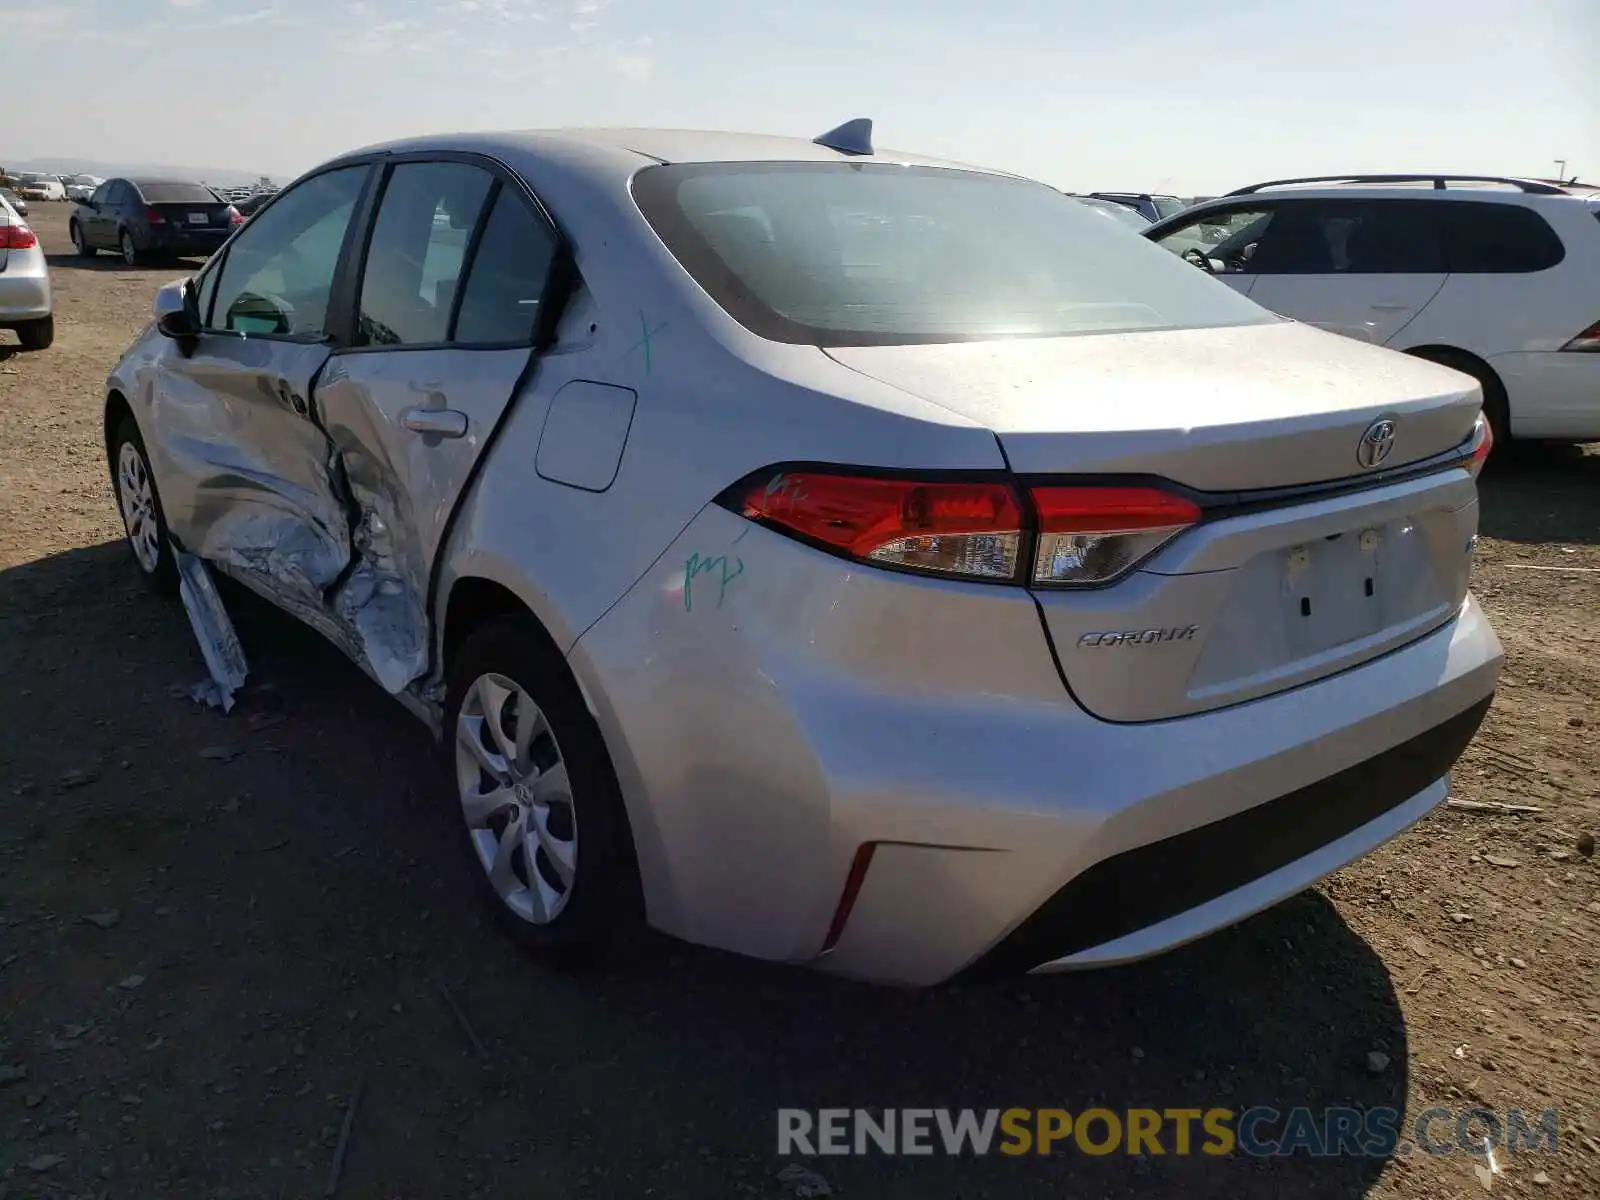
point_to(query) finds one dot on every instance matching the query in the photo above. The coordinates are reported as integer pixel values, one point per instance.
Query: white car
(81, 187)
(40, 187)
(1498, 278)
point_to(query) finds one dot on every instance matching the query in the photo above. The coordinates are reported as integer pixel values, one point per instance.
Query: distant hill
(89, 166)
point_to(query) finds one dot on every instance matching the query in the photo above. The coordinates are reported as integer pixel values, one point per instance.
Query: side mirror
(177, 325)
(174, 312)
(170, 298)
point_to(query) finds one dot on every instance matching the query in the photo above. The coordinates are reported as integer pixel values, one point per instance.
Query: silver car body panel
(769, 708)
(244, 473)
(810, 715)
(1230, 409)
(24, 277)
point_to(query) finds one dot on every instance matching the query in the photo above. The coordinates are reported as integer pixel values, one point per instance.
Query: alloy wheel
(516, 798)
(137, 497)
(130, 252)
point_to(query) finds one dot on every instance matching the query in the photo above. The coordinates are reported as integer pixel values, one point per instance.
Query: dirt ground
(213, 929)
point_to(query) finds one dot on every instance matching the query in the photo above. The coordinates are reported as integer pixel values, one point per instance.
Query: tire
(79, 242)
(149, 540)
(504, 669)
(1496, 408)
(130, 251)
(37, 335)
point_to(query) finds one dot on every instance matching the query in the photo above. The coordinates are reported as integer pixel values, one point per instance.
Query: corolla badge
(1376, 444)
(1139, 637)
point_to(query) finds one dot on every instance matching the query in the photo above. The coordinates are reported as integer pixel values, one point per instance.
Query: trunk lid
(1264, 595)
(1229, 409)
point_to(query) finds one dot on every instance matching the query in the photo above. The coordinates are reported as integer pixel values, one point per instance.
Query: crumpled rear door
(409, 429)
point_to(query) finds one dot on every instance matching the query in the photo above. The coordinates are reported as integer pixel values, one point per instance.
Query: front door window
(278, 277)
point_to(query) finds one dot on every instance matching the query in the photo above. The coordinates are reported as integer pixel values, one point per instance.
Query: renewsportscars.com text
(1260, 1131)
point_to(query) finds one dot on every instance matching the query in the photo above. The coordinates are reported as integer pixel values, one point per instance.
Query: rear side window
(1498, 239)
(177, 193)
(507, 279)
(1351, 237)
(418, 246)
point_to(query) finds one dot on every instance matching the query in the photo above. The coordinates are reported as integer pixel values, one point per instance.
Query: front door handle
(440, 422)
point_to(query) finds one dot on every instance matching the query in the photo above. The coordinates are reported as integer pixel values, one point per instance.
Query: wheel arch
(474, 600)
(117, 407)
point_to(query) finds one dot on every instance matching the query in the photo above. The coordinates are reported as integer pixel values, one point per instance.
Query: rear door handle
(1392, 307)
(440, 422)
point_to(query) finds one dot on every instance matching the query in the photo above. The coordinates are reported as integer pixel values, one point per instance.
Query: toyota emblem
(1376, 444)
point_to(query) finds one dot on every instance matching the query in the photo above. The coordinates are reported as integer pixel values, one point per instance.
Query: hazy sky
(1171, 95)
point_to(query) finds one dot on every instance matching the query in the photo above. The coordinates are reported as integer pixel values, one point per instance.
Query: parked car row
(33, 185)
(857, 560)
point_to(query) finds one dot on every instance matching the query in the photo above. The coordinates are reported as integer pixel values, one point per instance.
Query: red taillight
(235, 217)
(1484, 442)
(1589, 339)
(1083, 535)
(17, 237)
(153, 217)
(1090, 535)
(969, 529)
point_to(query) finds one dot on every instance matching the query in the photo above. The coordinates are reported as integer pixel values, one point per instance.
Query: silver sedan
(25, 300)
(834, 555)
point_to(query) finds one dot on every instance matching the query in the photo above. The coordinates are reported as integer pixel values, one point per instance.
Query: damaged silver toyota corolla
(832, 555)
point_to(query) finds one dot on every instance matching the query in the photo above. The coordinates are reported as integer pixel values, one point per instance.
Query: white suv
(1499, 278)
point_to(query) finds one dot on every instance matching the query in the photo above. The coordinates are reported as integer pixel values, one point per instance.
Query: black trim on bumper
(1139, 887)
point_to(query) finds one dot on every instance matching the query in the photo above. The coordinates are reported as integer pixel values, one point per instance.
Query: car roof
(1501, 195)
(144, 181)
(627, 149)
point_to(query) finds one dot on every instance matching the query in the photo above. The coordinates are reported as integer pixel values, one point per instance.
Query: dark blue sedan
(152, 218)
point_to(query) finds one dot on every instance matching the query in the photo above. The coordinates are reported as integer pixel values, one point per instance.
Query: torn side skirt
(219, 644)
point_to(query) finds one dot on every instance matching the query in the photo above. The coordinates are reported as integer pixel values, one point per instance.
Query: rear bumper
(1220, 873)
(816, 708)
(1552, 394)
(177, 240)
(24, 287)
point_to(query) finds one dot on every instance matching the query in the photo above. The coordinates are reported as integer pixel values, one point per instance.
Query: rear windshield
(177, 193)
(1168, 206)
(863, 254)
